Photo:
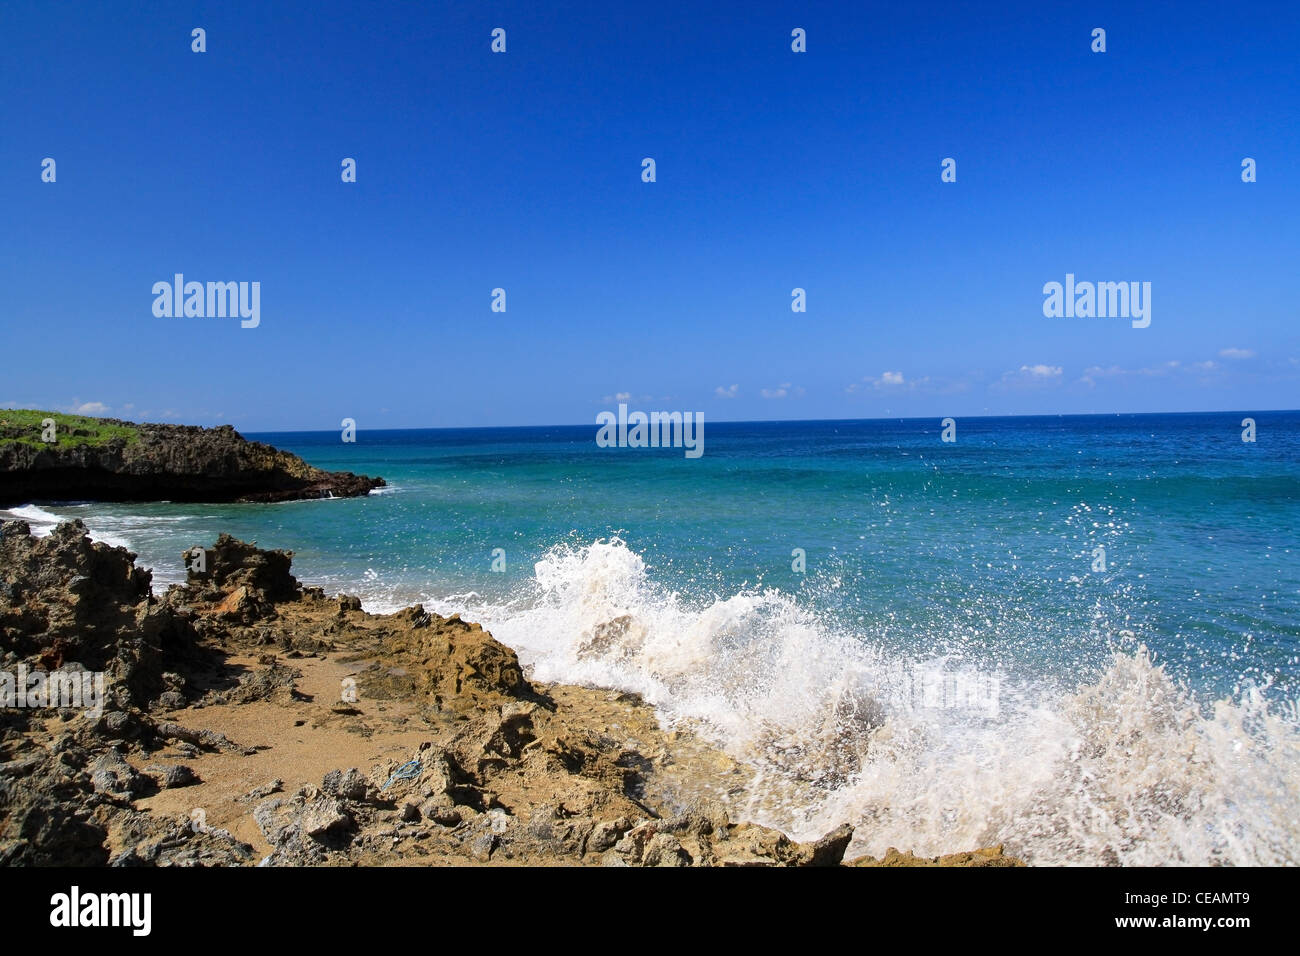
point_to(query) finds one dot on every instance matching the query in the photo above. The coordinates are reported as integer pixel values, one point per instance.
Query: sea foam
(1123, 766)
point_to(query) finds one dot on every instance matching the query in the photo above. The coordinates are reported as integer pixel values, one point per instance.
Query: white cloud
(730, 391)
(1029, 375)
(1094, 372)
(617, 397)
(88, 408)
(1041, 371)
(890, 380)
(1235, 353)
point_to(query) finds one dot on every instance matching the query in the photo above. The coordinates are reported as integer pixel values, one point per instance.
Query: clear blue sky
(523, 171)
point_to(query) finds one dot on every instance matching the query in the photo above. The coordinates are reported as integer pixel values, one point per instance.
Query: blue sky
(522, 171)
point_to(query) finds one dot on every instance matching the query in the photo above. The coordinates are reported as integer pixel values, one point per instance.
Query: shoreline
(252, 720)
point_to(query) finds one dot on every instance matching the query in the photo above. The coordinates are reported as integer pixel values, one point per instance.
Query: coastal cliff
(246, 718)
(105, 459)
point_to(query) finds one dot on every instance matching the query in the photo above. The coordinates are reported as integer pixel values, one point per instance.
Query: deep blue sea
(1079, 636)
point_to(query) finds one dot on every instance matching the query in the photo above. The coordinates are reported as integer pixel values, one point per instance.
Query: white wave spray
(1125, 767)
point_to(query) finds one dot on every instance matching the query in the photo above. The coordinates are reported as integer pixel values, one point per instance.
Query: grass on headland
(24, 426)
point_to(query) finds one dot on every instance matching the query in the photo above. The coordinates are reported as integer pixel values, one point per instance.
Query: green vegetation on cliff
(24, 426)
(106, 459)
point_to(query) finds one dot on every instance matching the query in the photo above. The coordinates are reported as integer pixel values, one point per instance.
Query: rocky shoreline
(45, 456)
(248, 720)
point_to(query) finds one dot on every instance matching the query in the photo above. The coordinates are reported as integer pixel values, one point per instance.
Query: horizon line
(780, 421)
(724, 421)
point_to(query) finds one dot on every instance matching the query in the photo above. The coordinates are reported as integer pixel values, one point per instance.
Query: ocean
(1078, 636)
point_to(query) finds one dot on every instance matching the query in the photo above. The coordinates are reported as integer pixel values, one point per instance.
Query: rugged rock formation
(113, 460)
(65, 600)
(249, 718)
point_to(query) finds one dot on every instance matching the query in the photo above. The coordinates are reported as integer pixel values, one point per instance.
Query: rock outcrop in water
(248, 718)
(113, 460)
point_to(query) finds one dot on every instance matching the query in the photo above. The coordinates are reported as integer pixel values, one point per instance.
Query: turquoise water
(954, 593)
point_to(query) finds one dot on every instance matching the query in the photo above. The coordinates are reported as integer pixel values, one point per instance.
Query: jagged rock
(265, 790)
(324, 814)
(459, 658)
(482, 845)
(48, 810)
(209, 739)
(413, 617)
(607, 833)
(116, 724)
(112, 776)
(150, 842)
(277, 820)
(491, 741)
(170, 777)
(67, 602)
(248, 578)
(664, 850)
(829, 850)
(988, 856)
(748, 844)
(276, 682)
(441, 814)
(350, 785)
